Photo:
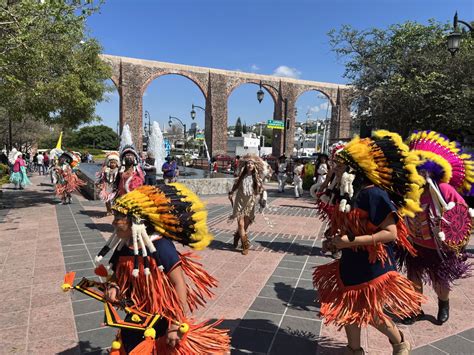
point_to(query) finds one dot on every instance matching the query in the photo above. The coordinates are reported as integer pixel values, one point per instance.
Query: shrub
(308, 176)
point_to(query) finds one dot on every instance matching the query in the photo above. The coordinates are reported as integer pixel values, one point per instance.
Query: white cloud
(314, 109)
(288, 72)
(254, 67)
(324, 106)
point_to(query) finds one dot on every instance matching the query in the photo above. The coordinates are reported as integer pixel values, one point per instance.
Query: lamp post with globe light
(260, 96)
(454, 38)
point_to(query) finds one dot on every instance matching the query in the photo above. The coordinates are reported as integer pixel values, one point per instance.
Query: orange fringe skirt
(366, 303)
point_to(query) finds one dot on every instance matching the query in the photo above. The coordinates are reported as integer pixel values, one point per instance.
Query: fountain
(157, 147)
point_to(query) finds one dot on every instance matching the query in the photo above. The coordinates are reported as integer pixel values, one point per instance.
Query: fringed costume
(141, 269)
(67, 180)
(249, 190)
(107, 179)
(364, 285)
(441, 230)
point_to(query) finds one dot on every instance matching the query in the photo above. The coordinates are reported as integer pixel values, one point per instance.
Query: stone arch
(116, 81)
(329, 96)
(234, 84)
(188, 75)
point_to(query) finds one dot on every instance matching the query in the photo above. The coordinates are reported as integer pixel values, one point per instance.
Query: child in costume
(108, 177)
(67, 180)
(363, 285)
(441, 230)
(18, 175)
(248, 187)
(148, 272)
(131, 174)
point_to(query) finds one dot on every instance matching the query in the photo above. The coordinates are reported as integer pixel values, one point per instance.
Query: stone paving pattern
(266, 298)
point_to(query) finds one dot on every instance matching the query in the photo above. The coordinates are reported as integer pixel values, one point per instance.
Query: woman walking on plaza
(18, 176)
(441, 257)
(108, 178)
(248, 187)
(363, 286)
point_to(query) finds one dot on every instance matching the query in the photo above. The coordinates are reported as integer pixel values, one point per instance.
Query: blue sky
(262, 36)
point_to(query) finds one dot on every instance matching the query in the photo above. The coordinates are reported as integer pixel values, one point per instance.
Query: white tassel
(471, 212)
(148, 242)
(442, 236)
(147, 271)
(98, 258)
(450, 206)
(348, 208)
(135, 233)
(342, 205)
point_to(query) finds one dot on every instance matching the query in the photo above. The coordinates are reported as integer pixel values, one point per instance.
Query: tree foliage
(99, 137)
(50, 70)
(404, 78)
(238, 128)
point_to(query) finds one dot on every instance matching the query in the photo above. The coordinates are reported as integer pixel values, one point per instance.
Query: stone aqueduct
(132, 76)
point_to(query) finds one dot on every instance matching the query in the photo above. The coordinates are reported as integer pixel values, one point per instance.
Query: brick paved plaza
(266, 298)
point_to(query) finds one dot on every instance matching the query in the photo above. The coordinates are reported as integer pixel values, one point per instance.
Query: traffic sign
(275, 124)
(200, 136)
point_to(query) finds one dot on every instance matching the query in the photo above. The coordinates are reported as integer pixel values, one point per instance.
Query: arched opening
(252, 135)
(168, 100)
(312, 123)
(109, 110)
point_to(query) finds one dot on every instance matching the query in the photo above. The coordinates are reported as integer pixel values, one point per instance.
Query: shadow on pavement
(84, 347)
(301, 298)
(93, 213)
(290, 248)
(102, 227)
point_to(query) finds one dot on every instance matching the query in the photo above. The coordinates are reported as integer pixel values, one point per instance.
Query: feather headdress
(386, 161)
(259, 164)
(444, 159)
(172, 210)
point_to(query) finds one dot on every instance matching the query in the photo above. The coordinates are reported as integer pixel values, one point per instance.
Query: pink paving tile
(12, 337)
(13, 348)
(66, 327)
(55, 297)
(53, 277)
(51, 312)
(13, 319)
(47, 270)
(54, 346)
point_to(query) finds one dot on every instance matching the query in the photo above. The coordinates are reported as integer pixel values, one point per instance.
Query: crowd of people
(395, 219)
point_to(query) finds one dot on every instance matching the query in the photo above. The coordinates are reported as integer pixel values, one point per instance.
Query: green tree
(244, 129)
(238, 128)
(98, 137)
(405, 79)
(50, 69)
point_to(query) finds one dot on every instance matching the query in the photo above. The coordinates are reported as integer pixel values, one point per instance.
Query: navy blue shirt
(167, 254)
(354, 265)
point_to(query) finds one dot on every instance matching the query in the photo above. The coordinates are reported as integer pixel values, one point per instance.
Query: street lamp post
(454, 38)
(147, 116)
(170, 123)
(193, 116)
(261, 94)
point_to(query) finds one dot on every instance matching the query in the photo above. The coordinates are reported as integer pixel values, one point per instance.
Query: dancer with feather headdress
(442, 229)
